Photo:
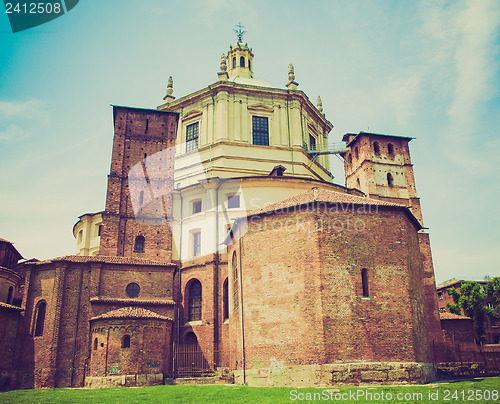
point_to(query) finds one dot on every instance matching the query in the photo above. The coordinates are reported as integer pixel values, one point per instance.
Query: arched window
(242, 61)
(225, 300)
(234, 268)
(249, 65)
(194, 303)
(190, 338)
(139, 244)
(234, 62)
(10, 295)
(390, 149)
(390, 179)
(40, 318)
(376, 148)
(126, 341)
(364, 282)
(95, 344)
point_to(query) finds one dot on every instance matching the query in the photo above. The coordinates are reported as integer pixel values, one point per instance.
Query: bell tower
(380, 166)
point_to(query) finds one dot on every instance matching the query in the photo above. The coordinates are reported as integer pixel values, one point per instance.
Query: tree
(471, 300)
(493, 290)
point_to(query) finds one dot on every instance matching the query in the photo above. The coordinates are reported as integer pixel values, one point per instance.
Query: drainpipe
(242, 317)
(216, 267)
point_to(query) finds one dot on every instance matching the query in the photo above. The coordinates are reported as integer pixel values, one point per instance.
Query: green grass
(242, 394)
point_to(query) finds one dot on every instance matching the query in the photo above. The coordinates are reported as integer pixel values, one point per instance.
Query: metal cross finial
(239, 31)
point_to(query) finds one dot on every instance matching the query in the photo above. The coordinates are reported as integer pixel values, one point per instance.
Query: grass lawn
(479, 390)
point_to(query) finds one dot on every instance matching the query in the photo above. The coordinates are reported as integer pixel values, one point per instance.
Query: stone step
(200, 380)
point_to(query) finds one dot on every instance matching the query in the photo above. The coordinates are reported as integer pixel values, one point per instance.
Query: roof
(132, 313)
(452, 316)
(10, 306)
(11, 245)
(134, 301)
(376, 134)
(249, 81)
(144, 109)
(103, 258)
(320, 195)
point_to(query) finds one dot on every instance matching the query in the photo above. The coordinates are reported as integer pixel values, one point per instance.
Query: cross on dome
(239, 32)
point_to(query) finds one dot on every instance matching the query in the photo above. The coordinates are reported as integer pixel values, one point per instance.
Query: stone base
(124, 380)
(339, 374)
(450, 370)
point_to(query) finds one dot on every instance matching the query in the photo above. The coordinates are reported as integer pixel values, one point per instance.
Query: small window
(358, 184)
(197, 206)
(141, 198)
(10, 295)
(440, 296)
(390, 149)
(364, 282)
(234, 62)
(390, 180)
(40, 318)
(126, 341)
(196, 244)
(194, 304)
(349, 158)
(233, 201)
(260, 130)
(192, 137)
(132, 290)
(95, 344)
(80, 236)
(139, 244)
(376, 148)
(225, 300)
(249, 65)
(99, 231)
(356, 153)
(312, 142)
(242, 61)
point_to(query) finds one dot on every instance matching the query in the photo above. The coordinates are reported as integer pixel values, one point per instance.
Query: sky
(424, 69)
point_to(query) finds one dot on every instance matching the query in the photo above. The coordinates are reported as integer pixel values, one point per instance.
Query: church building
(227, 250)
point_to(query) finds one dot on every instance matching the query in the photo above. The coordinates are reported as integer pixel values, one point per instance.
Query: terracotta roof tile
(321, 195)
(132, 301)
(131, 312)
(452, 316)
(10, 306)
(103, 258)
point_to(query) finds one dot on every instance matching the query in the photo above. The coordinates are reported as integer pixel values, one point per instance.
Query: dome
(249, 81)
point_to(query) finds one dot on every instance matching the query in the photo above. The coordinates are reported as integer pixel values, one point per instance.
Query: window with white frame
(192, 137)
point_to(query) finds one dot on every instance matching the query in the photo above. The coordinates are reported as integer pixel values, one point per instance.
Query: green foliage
(244, 394)
(471, 300)
(454, 308)
(493, 289)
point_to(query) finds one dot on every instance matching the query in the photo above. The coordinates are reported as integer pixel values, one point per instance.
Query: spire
(170, 89)
(292, 84)
(223, 68)
(239, 57)
(319, 105)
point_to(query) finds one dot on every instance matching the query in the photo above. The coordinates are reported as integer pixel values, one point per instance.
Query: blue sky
(425, 69)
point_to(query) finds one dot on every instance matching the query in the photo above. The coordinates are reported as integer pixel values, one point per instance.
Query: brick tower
(380, 166)
(140, 184)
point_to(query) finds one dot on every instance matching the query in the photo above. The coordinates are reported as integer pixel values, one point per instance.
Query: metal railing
(192, 361)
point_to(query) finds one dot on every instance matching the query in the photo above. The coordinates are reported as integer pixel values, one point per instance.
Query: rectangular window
(233, 201)
(196, 244)
(260, 130)
(197, 206)
(312, 142)
(192, 137)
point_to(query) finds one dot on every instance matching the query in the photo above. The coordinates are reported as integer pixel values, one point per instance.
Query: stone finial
(292, 84)
(319, 105)
(291, 75)
(223, 68)
(170, 90)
